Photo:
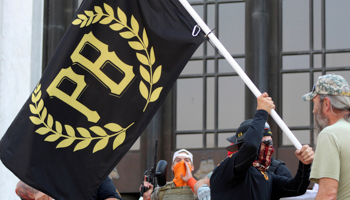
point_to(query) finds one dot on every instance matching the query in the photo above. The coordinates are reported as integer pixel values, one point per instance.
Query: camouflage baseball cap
(330, 84)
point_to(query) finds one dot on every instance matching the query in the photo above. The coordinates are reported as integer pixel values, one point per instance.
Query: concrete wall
(21, 25)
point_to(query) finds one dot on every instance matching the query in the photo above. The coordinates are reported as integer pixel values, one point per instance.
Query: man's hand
(203, 192)
(42, 196)
(265, 103)
(305, 154)
(148, 193)
(188, 173)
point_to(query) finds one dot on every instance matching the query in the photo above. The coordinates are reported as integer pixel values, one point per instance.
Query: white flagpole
(239, 70)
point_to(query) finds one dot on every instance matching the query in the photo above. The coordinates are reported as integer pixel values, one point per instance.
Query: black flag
(107, 78)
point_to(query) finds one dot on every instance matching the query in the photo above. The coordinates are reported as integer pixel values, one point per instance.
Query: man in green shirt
(331, 165)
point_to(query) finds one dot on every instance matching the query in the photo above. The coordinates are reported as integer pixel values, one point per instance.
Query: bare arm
(26, 192)
(202, 188)
(201, 182)
(327, 190)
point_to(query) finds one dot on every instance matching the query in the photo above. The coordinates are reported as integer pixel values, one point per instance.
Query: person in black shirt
(277, 166)
(244, 175)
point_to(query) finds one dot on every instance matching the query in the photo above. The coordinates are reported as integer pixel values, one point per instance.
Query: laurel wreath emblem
(43, 117)
(147, 59)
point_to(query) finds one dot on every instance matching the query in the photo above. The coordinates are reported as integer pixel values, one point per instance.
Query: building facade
(21, 25)
(282, 45)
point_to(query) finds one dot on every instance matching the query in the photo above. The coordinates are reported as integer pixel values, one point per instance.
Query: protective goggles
(267, 142)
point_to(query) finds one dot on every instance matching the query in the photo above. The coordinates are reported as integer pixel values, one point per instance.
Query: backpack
(274, 164)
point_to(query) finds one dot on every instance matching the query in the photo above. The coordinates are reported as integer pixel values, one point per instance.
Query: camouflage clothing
(330, 84)
(171, 192)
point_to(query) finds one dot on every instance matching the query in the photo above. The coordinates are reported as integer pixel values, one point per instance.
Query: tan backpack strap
(161, 191)
(161, 194)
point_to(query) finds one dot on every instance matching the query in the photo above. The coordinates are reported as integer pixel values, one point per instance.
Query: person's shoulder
(281, 169)
(222, 166)
(334, 128)
(328, 134)
(275, 163)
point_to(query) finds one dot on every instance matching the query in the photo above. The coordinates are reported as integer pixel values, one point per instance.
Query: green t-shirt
(332, 157)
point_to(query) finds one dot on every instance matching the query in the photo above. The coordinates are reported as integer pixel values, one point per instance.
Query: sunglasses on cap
(267, 142)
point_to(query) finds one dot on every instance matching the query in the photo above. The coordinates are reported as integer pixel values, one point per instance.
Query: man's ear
(326, 105)
(172, 167)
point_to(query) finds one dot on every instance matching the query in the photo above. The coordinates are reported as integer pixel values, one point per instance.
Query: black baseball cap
(240, 133)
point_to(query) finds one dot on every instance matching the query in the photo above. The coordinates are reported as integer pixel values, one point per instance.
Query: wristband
(191, 182)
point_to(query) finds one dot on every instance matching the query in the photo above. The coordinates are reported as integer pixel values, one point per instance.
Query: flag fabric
(108, 76)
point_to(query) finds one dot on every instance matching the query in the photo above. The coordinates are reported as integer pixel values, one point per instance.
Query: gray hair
(341, 103)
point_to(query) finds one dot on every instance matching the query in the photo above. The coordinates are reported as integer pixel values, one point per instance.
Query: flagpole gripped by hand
(239, 70)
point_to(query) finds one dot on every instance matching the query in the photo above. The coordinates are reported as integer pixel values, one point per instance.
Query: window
(314, 42)
(58, 15)
(209, 94)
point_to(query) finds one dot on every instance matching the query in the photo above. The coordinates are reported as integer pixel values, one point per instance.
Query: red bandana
(264, 158)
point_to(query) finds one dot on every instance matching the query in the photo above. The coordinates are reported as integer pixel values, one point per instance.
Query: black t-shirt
(106, 190)
(235, 177)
